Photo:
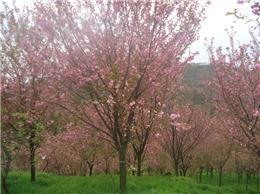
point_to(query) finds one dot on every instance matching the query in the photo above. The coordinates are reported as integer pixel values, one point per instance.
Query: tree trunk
(161, 171)
(4, 187)
(90, 167)
(176, 168)
(46, 166)
(185, 170)
(220, 177)
(139, 165)
(211, 173)
(106, 171)
(32, 157)
(106, 168)
(201, 171)
(122, 168)
(5, 167)
(180, 173)
(238, 177)
(257, 182)
(247, 180)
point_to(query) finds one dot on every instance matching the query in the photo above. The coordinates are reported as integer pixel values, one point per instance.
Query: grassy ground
(19, 183)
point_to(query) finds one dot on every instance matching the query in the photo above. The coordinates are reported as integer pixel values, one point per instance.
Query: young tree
(157, 159)
(204, 156)
(222, 146)
(239, 163)
(183, 132)
(237, 85)
(222, 154)
(143, 130)
(10, 145)
(25, 59)
(85, 144)
(112, 54)
(107, 158)
(58, 157)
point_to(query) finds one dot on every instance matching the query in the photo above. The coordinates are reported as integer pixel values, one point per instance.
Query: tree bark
(220, 177)
(201, 171)
(139, 165)
(106, 168)
(32, 157)
(185, 170)
(106, 171)
(238, 177)
(5, 163)
(90, 168)
(257, 182)
(211, 172)
(161, 171)
(176, 164)
(122, 169)
(247, 180)
(4, 185)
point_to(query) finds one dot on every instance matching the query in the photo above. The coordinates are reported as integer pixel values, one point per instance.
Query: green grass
(19, 183)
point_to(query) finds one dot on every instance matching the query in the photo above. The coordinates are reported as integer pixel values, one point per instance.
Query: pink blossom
(240, 1)
(160, 114)
(29, 121)
(256, 113)
(110, 100)
(132, 104)
(257, 66)
(174, 116)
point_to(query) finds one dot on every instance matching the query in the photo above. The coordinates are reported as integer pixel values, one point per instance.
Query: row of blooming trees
(97, 72)
(98, 60)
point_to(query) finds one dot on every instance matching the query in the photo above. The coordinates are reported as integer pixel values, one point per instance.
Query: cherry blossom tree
(84, 143)
(59, 157)
(144, 129)
(156, 158)
(237, 87)
(107, 162)
(112, 54)
(25, 83)
(10, 146)
(203, 159)
(186, 128)
(220, 145)
(239, 160)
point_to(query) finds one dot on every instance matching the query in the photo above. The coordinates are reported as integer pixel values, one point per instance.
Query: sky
(213, 26)
(216, 23)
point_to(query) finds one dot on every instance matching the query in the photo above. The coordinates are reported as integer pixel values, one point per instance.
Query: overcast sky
(213, 26)
(217, 22)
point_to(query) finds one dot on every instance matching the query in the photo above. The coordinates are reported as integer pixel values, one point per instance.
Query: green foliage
(19, 183)
(26, 126)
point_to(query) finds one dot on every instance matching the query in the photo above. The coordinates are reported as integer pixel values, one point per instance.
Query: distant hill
(195, 74)
(195, 78)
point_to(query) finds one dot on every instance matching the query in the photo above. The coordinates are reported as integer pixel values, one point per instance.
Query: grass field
(19, 183)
